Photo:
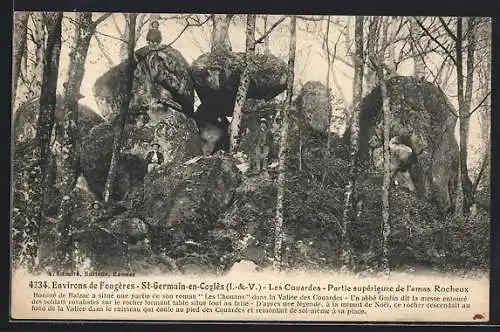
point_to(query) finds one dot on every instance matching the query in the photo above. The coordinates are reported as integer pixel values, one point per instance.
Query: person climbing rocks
(154, 35)
(262, 148)
(154, 157)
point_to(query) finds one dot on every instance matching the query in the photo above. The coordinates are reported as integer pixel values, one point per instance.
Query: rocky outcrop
(190, 195)
(313, 104)
(216, 77)
(176, 134)
(422, 113)
(160, 74)
(25, 119)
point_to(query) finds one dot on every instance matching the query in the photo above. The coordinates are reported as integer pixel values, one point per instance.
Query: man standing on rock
(154, 35)
(262, 148)
(154, 157)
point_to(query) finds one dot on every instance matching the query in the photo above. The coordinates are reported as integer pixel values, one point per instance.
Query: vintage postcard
(223, 167)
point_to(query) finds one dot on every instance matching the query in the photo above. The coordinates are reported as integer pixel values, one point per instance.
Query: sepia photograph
(178, 146)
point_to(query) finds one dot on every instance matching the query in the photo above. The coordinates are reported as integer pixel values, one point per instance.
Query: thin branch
(116, 25)
(188, 25)
(447, 28)
(481, 171)
(481, 103)
(103, 50)
(100, 19)
(437, 42)
(112, 37)
(268, 31)
(314, 19)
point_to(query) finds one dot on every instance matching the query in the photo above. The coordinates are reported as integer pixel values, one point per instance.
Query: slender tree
(370, 78)
(84, 31)
(278, 222)
(266, 40)
(353, 143)
(220, 33)
(40, 40)
(386, 182)
(38, 177)
(19, 49)
(119, 127)
(418, 61)
(241, 95)
(328, 68)
(464, 199)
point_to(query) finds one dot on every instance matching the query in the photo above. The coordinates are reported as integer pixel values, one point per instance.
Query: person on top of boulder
(154, 157)
(262, 148)
(154, 35)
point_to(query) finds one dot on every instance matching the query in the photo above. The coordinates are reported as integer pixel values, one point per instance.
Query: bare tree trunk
(464, 102)
(40, 44)
(69, 161)
(386, 182)
(328, 66)
(220, 34)
(418, 62)
(19, 48)
(124, 37)
(241, 95)
(278, 226)
(354, 144)
(266, 40)
(119, 127)
(371, 42)
(38, 178)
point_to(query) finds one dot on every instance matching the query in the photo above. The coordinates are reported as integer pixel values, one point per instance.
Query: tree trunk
(19, 36)
(38, 178)
(464, 131)
(118, 128)
(463, 200)
(241, 95)
(266, 40)
(124, 38)
(220, 33)
(418, 62)
(386, 182)
(278, 226)
(40, 44)
(328, 65)
(69, 162)
(371, 78)
(354, 142)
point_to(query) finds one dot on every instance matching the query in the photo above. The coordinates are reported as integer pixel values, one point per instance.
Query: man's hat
(263, 120)
(97, 203)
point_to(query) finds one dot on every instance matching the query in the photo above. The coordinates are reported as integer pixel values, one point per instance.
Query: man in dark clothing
(154, 35)
(154, 157)
(262, 147)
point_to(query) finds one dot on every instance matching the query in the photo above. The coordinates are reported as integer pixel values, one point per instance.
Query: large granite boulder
(176, 134)
(216, 77)
(184, 200)
(160, 74)
(25, 119)
(314, 105)
(423, 117)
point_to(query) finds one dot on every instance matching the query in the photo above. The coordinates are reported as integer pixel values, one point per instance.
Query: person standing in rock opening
(154, 157)
(96, 212)
(154, 35)
(262, 148)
